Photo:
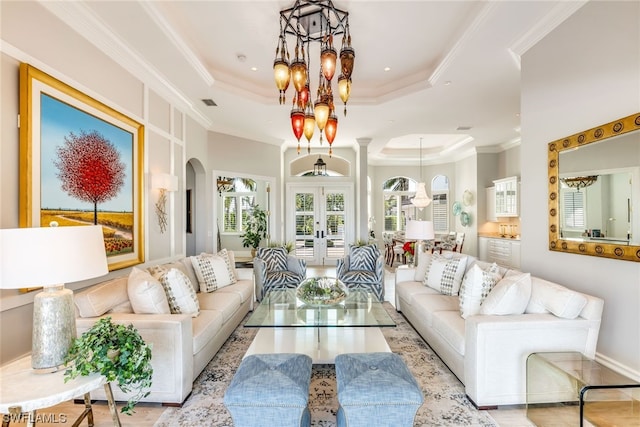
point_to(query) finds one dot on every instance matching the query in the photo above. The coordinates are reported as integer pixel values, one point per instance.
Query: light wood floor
(512, 416)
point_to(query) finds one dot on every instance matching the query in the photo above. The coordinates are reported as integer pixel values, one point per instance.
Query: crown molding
(81, 18)
(555, 17)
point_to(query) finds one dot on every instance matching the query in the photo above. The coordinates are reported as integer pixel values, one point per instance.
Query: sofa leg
(172, 404)
(480, 408)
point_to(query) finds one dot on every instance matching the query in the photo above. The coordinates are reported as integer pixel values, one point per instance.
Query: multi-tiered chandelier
(314, 21)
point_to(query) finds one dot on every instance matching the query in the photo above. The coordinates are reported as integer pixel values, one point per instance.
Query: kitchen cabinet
(504, 252)
(506, 197)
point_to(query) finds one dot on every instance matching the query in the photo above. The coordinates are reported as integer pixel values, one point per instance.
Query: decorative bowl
(321, 291)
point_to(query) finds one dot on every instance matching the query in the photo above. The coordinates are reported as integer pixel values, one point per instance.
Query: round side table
(23, 391)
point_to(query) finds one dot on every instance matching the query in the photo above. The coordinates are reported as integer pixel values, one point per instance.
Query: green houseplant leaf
(116, 351)
(256, 229)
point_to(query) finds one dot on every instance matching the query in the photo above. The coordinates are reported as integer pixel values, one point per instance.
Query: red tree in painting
(90, 168)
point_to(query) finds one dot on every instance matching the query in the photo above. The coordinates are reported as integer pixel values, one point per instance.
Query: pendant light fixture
(314, 21)
(421, 200)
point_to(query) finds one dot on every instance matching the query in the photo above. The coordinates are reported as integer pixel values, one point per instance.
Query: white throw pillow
(445, 275)
(181, 296)
(213, 271)
(550, 297)
(146, 293)
(476, 285)
(509, 296)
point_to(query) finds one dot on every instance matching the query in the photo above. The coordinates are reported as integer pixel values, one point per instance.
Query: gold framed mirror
(594, 191)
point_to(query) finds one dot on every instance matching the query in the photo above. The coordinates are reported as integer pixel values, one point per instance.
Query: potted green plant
(256, 229)
(116, 351)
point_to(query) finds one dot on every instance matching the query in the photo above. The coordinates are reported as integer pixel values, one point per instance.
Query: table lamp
(419, 231)
(50, 257)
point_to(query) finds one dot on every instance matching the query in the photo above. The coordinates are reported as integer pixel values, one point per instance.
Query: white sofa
(488, 353)
(182, 345)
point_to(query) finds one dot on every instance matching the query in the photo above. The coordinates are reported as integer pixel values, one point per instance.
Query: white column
(362, 219)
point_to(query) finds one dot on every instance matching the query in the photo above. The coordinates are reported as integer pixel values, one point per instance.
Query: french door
(320, 221)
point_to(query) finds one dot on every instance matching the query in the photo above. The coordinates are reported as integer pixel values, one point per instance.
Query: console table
(23, 391)
(572, 380)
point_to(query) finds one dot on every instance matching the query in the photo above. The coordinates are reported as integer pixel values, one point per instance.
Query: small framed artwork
(81, 162)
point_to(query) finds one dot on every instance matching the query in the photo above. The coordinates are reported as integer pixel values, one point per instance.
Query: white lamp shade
(164, 181)
(49, 256)
(419, 230)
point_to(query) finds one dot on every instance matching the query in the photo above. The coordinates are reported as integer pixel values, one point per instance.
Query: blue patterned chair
(274, 268)
(363, 268)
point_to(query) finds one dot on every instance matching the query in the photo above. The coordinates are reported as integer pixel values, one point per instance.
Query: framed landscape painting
(81, 162)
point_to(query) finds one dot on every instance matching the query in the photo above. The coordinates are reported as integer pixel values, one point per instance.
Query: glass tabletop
(281, 308)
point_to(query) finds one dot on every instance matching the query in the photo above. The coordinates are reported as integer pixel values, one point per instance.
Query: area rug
(445, 402)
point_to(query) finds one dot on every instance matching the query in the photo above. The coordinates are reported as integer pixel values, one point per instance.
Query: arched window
(440, 204)
(398, 192)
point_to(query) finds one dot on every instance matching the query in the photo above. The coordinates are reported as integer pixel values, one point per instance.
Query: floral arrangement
(409, 248)
(321, 290)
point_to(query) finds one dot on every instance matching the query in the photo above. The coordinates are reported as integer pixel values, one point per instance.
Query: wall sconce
(164, 182)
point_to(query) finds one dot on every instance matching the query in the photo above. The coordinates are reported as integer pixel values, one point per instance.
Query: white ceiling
(452, 64)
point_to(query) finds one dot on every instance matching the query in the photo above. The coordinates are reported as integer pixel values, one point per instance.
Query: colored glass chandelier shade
(331, 128)
(311, 21)
(282, 77)
(299, 75)
(297, 122)
(321, 112)
(328, 59)
(344, 90)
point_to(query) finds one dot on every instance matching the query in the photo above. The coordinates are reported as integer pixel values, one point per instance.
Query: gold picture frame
(59, 125)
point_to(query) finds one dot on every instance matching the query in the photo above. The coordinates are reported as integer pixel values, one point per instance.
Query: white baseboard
(618, 367)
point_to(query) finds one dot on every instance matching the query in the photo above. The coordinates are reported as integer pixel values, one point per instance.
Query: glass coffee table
(287, 325)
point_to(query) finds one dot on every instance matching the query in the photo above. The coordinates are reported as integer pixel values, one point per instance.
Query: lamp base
(420, 249)
(54, 328)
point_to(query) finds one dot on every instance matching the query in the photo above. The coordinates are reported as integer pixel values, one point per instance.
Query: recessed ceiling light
(463, 128)
(447, 83)
(209, 102)
(254, 68)
(387, 69)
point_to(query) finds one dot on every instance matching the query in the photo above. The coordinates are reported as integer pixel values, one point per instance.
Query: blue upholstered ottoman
(376, 389)
(270, 390)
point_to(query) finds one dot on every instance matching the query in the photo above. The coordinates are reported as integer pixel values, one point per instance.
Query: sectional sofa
(182, 344)
(485, 329)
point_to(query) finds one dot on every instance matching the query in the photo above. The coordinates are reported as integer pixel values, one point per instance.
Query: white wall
(583, 74)
(29, 34)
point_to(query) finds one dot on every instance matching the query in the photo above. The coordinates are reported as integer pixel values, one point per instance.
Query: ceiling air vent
(209, 102)
(463, 128)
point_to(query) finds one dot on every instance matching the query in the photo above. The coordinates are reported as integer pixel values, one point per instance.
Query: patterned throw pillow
(476, 285)
(363, 258)
(275, 258)
(213, 271)
(445, 275)
(146, 293)
(181, 296)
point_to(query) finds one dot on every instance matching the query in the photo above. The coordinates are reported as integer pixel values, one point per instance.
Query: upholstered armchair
(453, 244)
(274, 268)
(363, 268)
